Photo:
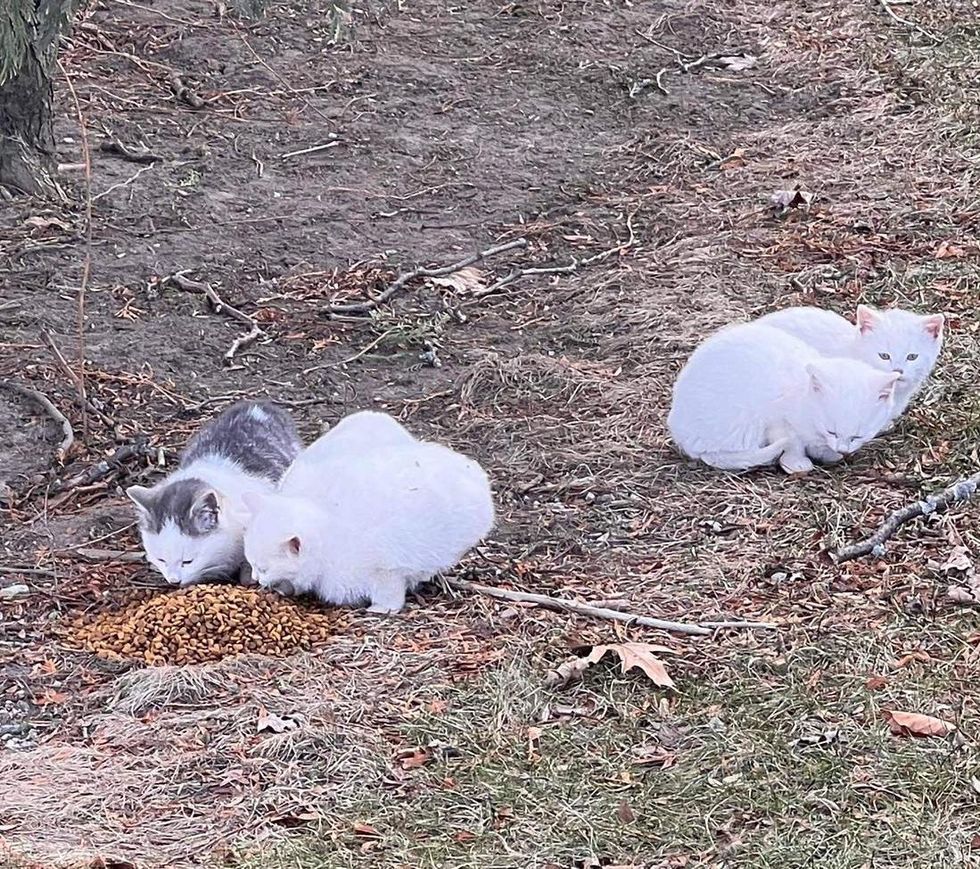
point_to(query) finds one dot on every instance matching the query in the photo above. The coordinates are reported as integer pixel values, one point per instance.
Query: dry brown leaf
(465, 281)
(414, 758)
(625, 813)
(949, 250)
(632, 655)
(915, 724)
(269, 721)
(365, 831)
(464, 836)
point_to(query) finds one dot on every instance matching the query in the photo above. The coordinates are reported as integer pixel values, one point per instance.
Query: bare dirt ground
(608, 130)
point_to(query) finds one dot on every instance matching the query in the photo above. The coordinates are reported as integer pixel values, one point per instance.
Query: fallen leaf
(654, 755)
(295, 818)
(273, 723)
(414, 758)
(625, 814)
(960, 595)
(464, 836)
(467, 280)
(787, 199)
(959, 561)
(738, 62)
(914, 724)
(52, 698)
(876, 683)
(365, 831)
(39, 222)
(905, 660)
(948, 250)
(632, 655)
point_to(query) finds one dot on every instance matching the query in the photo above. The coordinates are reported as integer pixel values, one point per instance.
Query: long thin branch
(904, 21)
(572, 606)
(220, 307)
(68, 433)
(87, 260)
(83, 401)
(961, 490)
(399, 283)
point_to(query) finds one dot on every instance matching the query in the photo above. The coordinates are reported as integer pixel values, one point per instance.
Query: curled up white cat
(752, 394)
(891, 340)
(365, 514)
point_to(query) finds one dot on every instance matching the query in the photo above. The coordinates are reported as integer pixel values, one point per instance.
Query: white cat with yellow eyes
(897, 341)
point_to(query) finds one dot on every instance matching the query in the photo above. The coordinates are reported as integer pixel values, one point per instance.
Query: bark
(28, 36)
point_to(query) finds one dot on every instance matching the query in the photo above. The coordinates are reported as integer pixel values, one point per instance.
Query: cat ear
(204, 511)
(866, 319)
(252, 502)
(934, 325)
(888, 386)
(816, 378)
(293, 545)
(141, 496)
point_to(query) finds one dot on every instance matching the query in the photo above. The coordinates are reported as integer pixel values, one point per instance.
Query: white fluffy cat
(366, 513)
(751, 394)
(894, 340)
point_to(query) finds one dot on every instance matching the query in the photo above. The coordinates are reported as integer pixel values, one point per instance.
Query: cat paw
(383, 610)
(795, 464)
(827, 456)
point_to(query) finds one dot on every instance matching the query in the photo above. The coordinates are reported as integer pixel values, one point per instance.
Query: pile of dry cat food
(205, 623)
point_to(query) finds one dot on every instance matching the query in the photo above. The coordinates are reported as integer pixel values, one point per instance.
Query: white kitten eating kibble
(898, 341)
(751, 394)
(193, 522)
(365, 514)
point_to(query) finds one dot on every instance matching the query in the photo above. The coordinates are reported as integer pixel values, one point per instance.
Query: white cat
(751, 394)
(895, 340)
(366, 513)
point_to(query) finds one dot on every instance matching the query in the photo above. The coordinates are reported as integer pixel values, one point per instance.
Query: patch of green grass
(778, 761)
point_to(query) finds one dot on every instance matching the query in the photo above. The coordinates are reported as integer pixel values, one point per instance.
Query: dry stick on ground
(220, 307)
(570, 269)
(87, 261)
(904, 21)
(703, 629)
(422, 272)
(83, 401)
(962, 490)
(51, 410)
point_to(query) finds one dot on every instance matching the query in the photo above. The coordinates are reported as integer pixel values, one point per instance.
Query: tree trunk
(27, 156)
(29, 31)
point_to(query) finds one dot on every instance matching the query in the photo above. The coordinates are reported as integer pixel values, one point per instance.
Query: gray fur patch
(174, 503)
(260, 436)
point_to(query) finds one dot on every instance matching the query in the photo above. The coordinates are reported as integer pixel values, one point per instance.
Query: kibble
(205, 623)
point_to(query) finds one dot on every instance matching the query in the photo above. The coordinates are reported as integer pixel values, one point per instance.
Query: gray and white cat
(192, 524)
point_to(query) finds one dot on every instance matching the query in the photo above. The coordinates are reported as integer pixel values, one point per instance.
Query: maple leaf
(632, 655)
(915, 724)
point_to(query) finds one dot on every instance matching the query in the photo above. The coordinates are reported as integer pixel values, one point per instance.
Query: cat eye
(187, 561)
(912, 357)
(833, 434)
(885, 356)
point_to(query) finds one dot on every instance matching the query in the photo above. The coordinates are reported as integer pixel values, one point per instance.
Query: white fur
(885, 340)
(184, 559)
(367, 517)
(751, 394)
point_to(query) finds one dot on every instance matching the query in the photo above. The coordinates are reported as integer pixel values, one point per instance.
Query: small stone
(12, 591)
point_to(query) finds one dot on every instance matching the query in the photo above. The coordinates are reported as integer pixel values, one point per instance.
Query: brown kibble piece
(205, 623)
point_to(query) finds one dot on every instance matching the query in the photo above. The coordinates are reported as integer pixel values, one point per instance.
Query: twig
(564, 605)
(220, 307)
(87, 260)
(98, 555)
(569, 269)
(69, 435)
(26, 571)
(421, 272)
(313, 150)
(125, 183)
(357, 355)
(899, 20)
(104, 468)
(114, 146)
(82, 400)
(961, 490)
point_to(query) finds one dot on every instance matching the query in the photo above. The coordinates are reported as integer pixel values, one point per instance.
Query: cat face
(185, 533)
(850, 402)
(899, 341)
(274, 544)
